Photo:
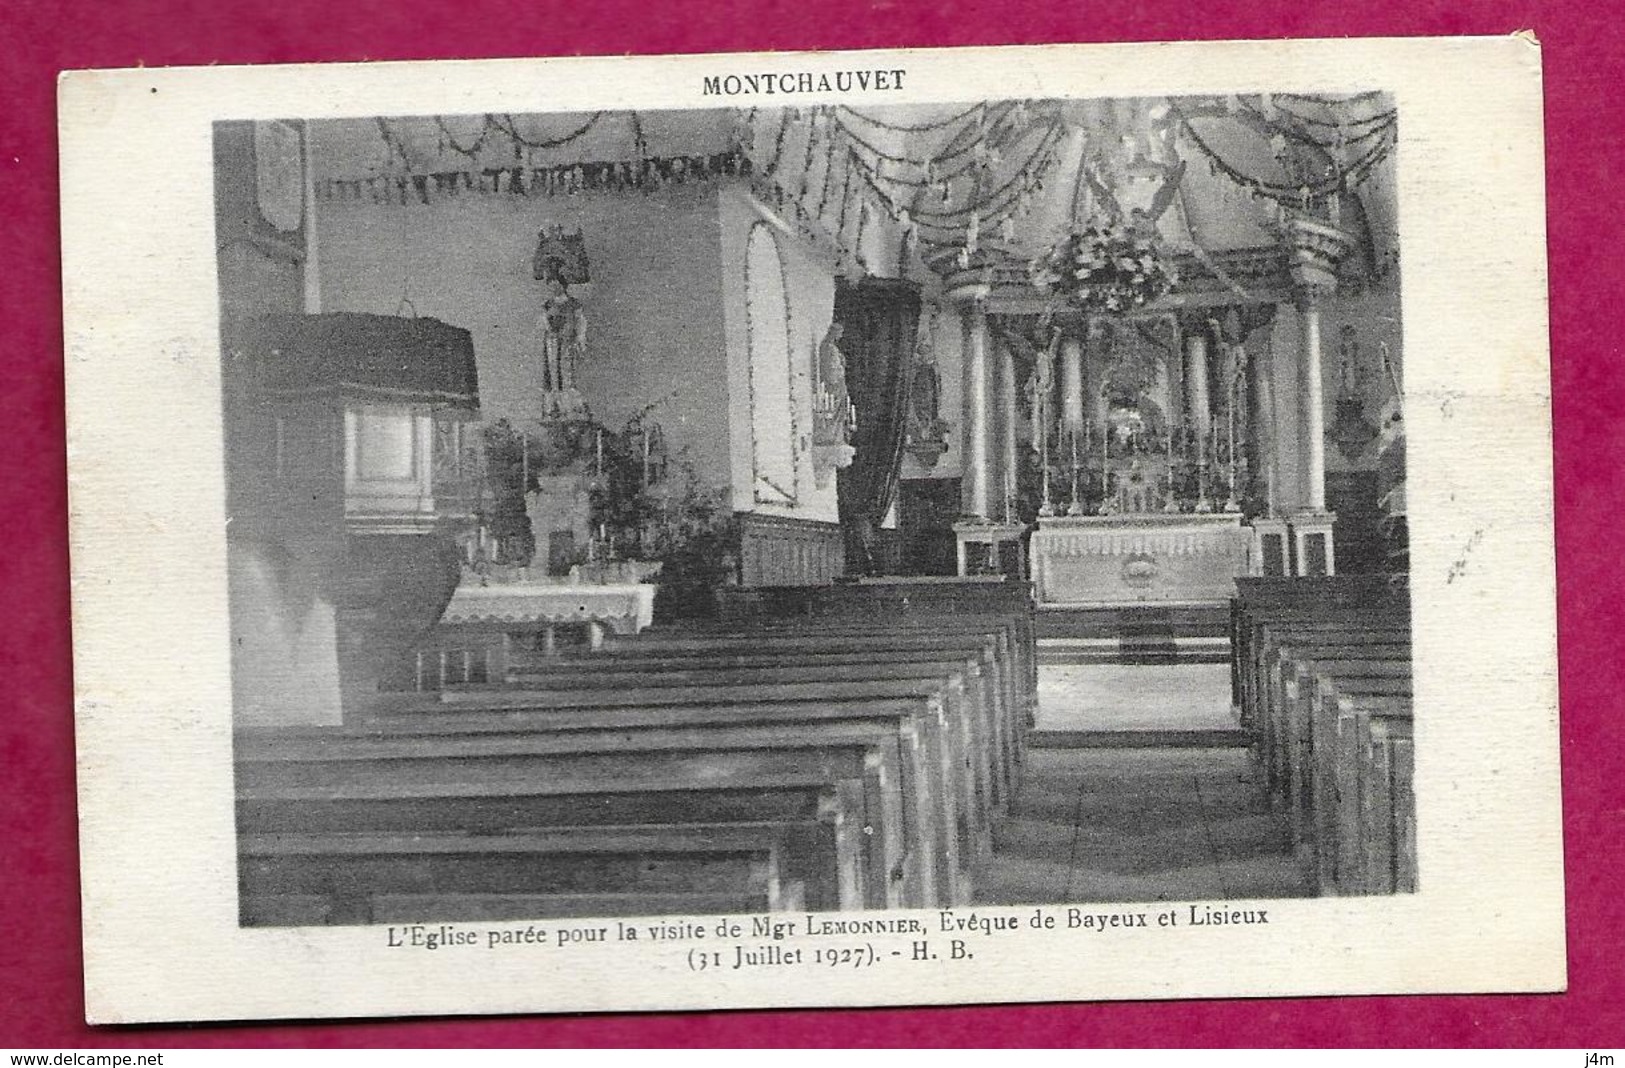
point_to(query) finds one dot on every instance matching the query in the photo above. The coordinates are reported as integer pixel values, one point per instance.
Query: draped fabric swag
(880, 317)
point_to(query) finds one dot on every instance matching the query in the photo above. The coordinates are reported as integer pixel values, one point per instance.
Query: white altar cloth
(624, 608)
(1138, 559)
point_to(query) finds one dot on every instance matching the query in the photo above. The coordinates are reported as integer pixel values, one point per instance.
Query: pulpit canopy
(362, 357)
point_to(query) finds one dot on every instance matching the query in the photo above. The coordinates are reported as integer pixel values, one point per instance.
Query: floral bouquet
(1108, 266)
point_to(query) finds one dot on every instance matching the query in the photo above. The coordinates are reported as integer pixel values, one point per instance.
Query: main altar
(1138, 559)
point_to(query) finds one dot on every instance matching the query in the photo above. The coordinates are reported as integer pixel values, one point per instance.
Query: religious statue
(924, 398)
(835, 418)
(1040, 385)
(560, 262)
(925, 432)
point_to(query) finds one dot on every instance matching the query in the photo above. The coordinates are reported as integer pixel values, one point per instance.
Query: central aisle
(1138, 786)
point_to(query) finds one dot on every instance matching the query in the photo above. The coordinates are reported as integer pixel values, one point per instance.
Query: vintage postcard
(922, 527)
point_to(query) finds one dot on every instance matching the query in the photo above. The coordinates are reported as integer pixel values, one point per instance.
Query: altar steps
(1150, 738)
(1182, 634)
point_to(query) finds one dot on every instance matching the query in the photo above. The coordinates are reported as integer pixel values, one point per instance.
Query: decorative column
(981, 529)
(1261, 438)
(1313, 396)
(1072, 384)
(1272, 538)
(1198, 411)
(1075, 444)
(1010, 478)
(974, 473)
(1315, 250)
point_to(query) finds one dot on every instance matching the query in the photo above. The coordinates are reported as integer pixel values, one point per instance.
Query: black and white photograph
(764, 509)
(852, 528)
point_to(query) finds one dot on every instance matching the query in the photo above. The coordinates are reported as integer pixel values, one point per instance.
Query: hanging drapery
(880, 317)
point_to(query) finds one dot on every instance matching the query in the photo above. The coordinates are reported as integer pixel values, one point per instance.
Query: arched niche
(774, 446)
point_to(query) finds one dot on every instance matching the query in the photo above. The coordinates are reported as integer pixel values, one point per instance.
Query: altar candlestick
(600, 451)
(1105, 463)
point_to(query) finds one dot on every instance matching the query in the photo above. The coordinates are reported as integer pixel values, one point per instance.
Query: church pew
(1315, 666)
(931, 782)
(1001, 756)
(1012, 659)
(1263, 628)
(1261, 684)
(349, 878)
(816, 796)
(1005, 675)
(1371, 597)
(1347, 830)
(1283, 715)
(899, 600)
(975, 807)
(891, 835)
(905, 606)
(1315, 758)
(630, 669)
(506, 766)
(1263, 702)
(1290, 665)
(1388, 804)
(1001, 655)
(1315, 739)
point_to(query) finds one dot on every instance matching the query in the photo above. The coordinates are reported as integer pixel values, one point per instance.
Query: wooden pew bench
(972, 777)
(1290, 665)
(1013, 657)
(962, 678)
(918, 603)
(1316, 745)
(1388, 802)
(318, 785)
(1268, 628)
(1365, 810)
(895, 860)
(998, 721)
(363, 878)
(1321, 762)
(1271, 677)
(931, 782)
(1367, 598)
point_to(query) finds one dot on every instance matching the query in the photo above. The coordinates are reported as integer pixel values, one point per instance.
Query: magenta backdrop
(40, 999)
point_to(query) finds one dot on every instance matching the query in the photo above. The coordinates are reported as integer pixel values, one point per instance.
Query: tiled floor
(1133, 822)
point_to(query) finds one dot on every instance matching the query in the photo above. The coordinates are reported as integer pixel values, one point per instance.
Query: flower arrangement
(1106, 266)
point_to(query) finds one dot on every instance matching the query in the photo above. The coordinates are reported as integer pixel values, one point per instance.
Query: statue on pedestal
(834, 417)
(560, 262)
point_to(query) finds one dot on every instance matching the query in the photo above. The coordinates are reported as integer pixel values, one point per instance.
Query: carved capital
(1314, 250)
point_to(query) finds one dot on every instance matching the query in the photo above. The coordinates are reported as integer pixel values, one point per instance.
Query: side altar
(1138, 559)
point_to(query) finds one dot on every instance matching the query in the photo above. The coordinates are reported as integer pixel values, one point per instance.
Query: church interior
(819, 508)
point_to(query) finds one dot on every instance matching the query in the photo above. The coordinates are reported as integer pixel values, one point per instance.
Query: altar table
(1138, 559)
(624, 608)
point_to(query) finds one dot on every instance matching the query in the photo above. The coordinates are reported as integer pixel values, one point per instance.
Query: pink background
(40, 999)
